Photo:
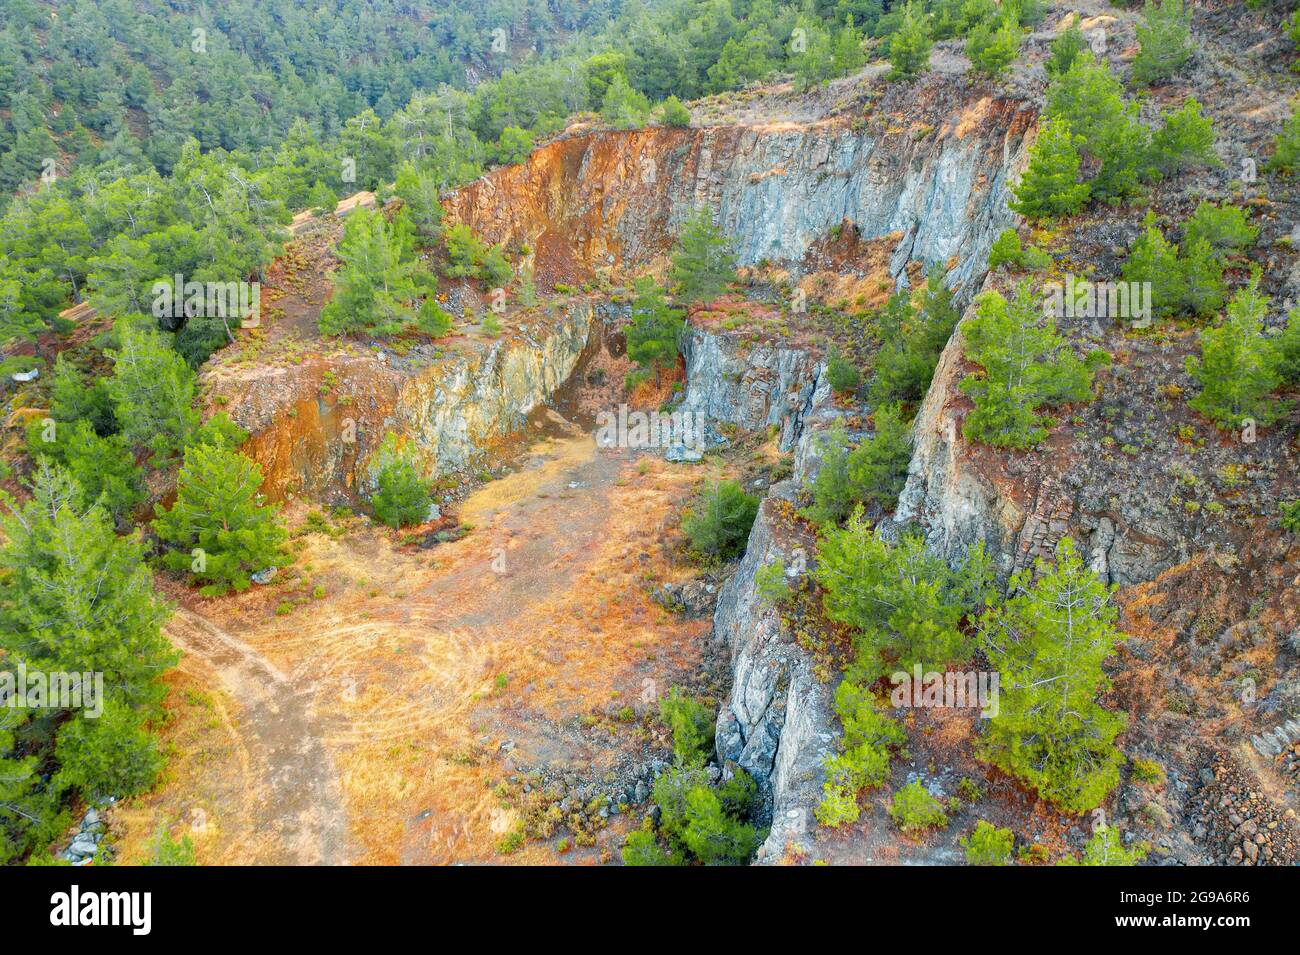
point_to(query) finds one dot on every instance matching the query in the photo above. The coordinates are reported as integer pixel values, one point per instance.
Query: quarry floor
(367, 720)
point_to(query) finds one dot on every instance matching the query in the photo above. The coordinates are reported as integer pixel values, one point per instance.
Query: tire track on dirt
(302, 807)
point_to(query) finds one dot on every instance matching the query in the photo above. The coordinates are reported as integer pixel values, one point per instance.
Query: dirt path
(301, 807)
(372, 721)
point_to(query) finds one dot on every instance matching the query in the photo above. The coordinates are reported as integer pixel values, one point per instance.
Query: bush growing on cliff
(988, 845)
(1186, 140)
(691, 724)
(1289, 512)
(419, 191)
(912, 339)
(864, 758)
(1050, 643)
(219, 528)
(1286, 148)
(873, 472)
(654, 336)
(914, 809)
(697, 821)
(845, 378)
(1165, 41)
(703, 262)
(1026, 365)
(909, 47)
(1068, 46)
(1050, 185)
(402, 493)
(993, 46)
(375, 288)
(1090, 101)
(905, 605)
(719, 519)
(1106, 847)
(673, 113)
(1238, 367)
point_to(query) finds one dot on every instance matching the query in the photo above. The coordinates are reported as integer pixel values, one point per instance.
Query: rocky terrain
(842, 195)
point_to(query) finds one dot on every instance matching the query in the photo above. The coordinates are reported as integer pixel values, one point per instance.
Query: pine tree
(655, 331)
(1238, 366)
(104, 468)
(909, 47)
(719, 520)
(1154, 259)
(904, 604)
(153, 392)
(77, 597)
(1288, 349)
(1185, 142)
(1165, 41)
(1050, 185)
(993, 46)
(1026, 365)
(419, 192)
(1066, 48)
(402, 494)
(673, 113)
(1286, 148)
(624, 107)
(219, 528)
(703, 263)
(1050, 643)
(912, 340)
(375, 288)
(1091, 101)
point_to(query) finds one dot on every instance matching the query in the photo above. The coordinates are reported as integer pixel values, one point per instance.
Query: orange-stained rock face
(614, 200)
(314, 425)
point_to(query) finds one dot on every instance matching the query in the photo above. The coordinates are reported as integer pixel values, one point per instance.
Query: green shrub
(1050, 185)
(1006, 249)
(874, 471)
(864, 758)
(220, 529)
(1148, 771)
(1224, 228)
(988, 845)
(1290, 511)
(1026, 365)
(1165, 41)
(1051, 642)
(914, 809)
(1238, 367)
(1107, 848)
(402, 493)
(909, 47)
(770, 582)
(1186, 141)
(1286, 148)
(719, 519)
(673, 113)
(692, 726)
(1068, 46)
(912, 339)
(992, 47)
(171, 852)
(843, 375)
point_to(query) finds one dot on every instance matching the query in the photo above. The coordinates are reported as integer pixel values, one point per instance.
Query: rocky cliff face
(777, 723)
(315, 426)
(936, 183)
(759, 387)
